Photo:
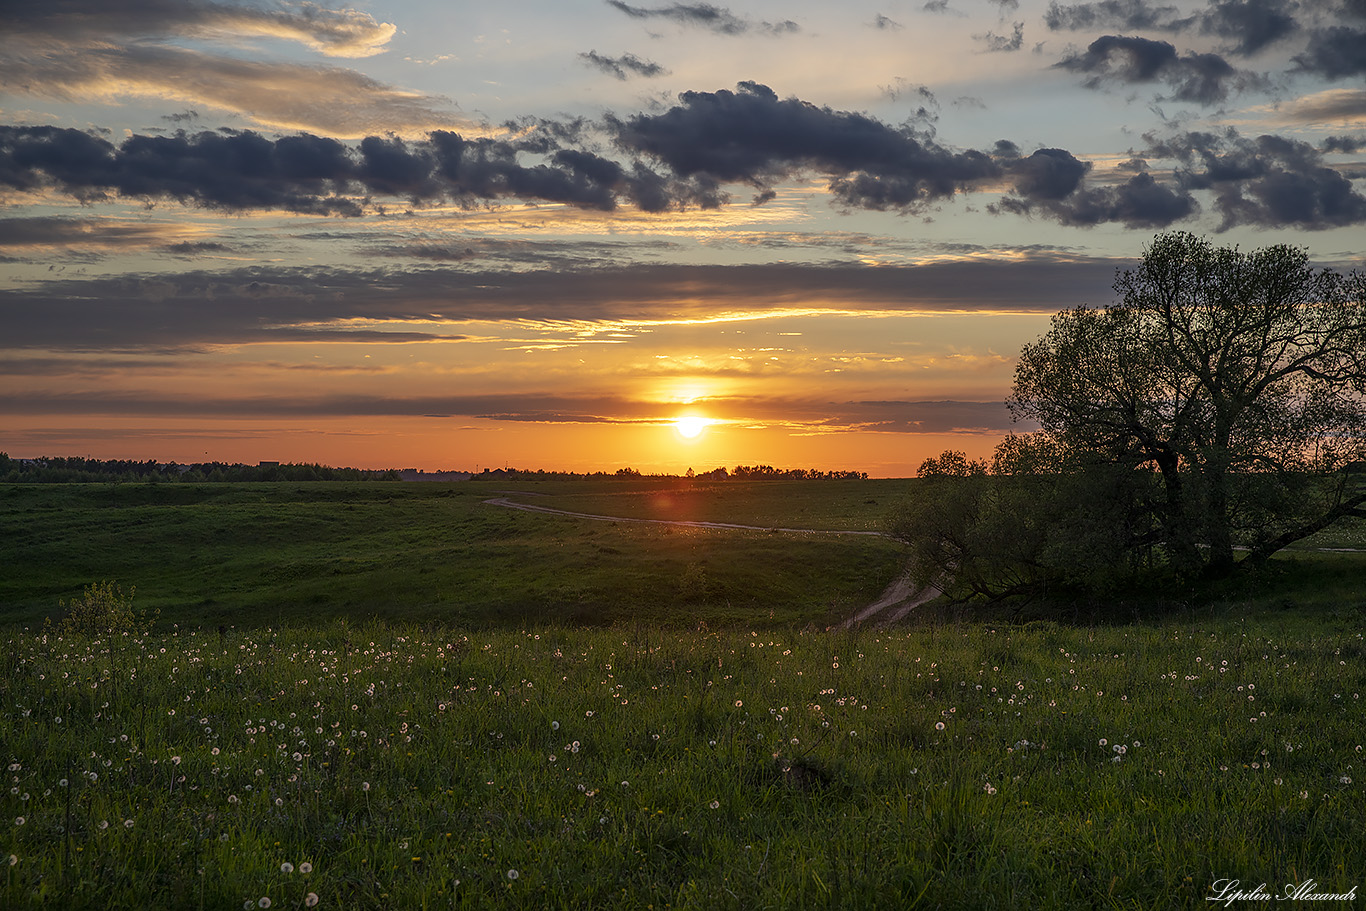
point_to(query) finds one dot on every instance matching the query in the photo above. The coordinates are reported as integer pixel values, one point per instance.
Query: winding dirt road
(899, 599)
(681, 523)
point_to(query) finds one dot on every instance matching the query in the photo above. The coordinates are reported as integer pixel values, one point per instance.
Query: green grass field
(421, 701)
(953, 767)
(255, 554)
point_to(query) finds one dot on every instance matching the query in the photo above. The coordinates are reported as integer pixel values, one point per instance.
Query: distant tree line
(74, 469)
(763, 472)
(801, 474)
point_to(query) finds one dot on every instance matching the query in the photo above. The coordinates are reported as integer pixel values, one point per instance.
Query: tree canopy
(1223, 396)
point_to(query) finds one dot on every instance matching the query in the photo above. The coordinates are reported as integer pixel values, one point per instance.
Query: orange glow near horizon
(468, 445)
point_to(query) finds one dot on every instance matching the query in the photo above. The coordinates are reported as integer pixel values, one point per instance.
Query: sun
(690, 426)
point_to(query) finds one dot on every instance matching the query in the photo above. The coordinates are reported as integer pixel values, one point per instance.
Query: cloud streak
(336, 33)
(337, 101)
(623, 67)
(69, 50)
(704, 15)
(199, 310)
(801, 415)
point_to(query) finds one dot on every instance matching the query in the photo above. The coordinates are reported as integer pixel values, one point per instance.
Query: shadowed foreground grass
(950, 767)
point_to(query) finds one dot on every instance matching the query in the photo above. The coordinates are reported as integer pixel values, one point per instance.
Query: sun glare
(690, 426)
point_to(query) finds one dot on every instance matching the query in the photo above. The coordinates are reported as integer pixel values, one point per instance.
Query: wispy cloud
(339, 102)
(337, 33)
(705, 15)
(623, 67)
(91, 49)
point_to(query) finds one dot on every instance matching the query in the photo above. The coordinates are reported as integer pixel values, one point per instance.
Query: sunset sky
(537, 233)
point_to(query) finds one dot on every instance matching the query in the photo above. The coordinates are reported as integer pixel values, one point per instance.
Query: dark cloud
(1269, 181)
(882, 23)
(1338, 52)
(1249, 25)
(751, 136)
(1122, 14)
(624, 66)
(682, 157)
(202, 309)
(715, 18)
(1199, 78)
(194, 248)
(936, 6)
(1050, 183)
(1345, 144)
(219, 170)
(316, 175)
(1048, 174)
(996, 42)
(1139, 202)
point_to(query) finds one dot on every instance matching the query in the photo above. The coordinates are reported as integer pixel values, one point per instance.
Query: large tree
(1237, 380)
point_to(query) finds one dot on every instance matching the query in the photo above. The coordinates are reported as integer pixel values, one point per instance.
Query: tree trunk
(1219, 535)
(1176, 521)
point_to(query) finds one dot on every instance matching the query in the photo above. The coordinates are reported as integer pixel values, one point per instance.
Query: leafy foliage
(103, 609)
(1007, 533)
(1220, 404)
(1240, 379)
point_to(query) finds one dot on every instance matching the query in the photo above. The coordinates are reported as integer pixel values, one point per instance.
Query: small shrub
(103, 609)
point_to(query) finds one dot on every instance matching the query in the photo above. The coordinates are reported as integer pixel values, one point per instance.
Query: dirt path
(681, 523)
(900, 598)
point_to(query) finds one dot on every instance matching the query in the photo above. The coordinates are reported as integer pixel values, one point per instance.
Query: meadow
(277, 553)
(962, 766)
(336, 756)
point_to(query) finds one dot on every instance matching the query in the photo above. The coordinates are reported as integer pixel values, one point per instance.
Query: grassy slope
(269, 553)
